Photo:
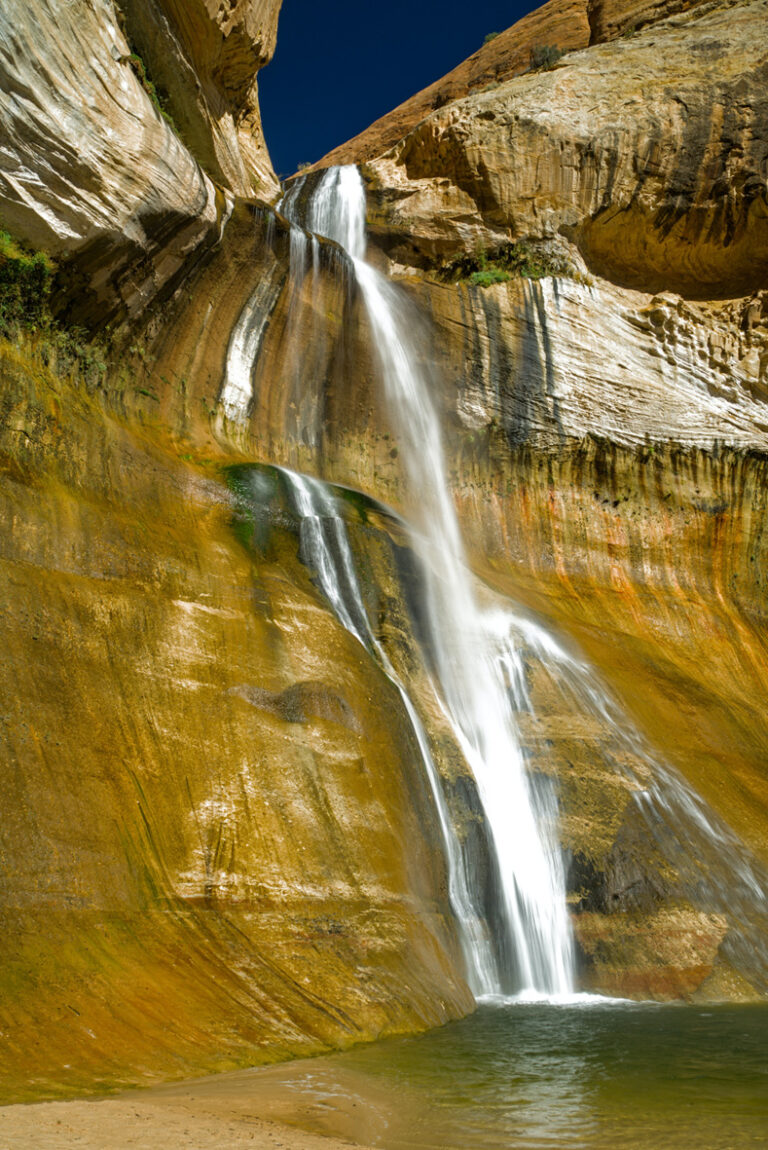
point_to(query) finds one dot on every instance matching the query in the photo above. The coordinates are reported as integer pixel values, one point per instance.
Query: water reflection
(591, 1075)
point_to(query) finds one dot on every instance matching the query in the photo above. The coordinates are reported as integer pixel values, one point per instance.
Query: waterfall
(714, 870)
(244, 346)
(326, 550)
(478, 692)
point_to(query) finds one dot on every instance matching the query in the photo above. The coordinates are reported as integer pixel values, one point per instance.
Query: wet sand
(150, 1121)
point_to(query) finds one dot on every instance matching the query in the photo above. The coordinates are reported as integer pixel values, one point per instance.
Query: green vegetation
(26, 280)
(160, 101)
(25, 285)
(67, 349)
(510, 261)
(491, 275)
(545, 56)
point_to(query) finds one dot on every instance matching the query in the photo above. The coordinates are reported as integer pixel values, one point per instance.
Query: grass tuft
(159, 101)
(545, 56)
(26, 279)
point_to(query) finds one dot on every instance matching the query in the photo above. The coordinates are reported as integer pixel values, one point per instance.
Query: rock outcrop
(123, 187)
(562, 25)
(218, 846)
(631, 518)
(206, 57)
(648, 154)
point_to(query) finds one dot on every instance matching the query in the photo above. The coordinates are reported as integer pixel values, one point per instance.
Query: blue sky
(340, 65)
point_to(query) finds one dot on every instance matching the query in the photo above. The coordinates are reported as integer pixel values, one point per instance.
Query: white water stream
(326, 550)
(523, 947)
(479, 694)
(245, 343)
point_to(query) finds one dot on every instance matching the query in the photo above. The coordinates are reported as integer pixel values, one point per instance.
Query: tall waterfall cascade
(506, 882)
(480, 684)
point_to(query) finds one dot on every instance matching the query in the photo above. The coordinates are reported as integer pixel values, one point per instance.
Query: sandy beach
(146, 1123)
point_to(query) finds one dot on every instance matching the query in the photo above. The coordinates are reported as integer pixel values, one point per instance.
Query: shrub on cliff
(26, 279)
(545, 56)
(25, 285)
(159, 100)
(489, 275)
(510, 261)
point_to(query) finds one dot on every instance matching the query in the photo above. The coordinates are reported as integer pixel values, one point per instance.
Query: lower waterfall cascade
(326, 549)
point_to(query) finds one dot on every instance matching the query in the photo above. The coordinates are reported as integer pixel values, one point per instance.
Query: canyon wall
(219, 847)
(127, 131)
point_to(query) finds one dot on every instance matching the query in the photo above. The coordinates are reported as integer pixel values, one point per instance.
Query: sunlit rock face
(553, 360)
(648, 154)
(608, 428)
(206, 56)
(218, 845)
(91, 171)
(563, 24)
(607, 448)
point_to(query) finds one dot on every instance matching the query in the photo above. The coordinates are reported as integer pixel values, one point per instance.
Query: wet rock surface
(217, 847)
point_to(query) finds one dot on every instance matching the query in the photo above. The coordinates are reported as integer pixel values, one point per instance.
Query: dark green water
(628, 1077)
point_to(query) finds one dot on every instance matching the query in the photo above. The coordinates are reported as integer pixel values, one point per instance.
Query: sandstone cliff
(647, 154)
(561, 24)
(219, 847)
(122, 164)
(206, 57)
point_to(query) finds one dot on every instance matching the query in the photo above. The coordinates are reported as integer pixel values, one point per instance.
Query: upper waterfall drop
(337, 210)
(534, 945)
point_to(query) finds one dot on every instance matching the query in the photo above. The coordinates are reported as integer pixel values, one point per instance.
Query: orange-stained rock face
(666, 958)
(218, 846)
